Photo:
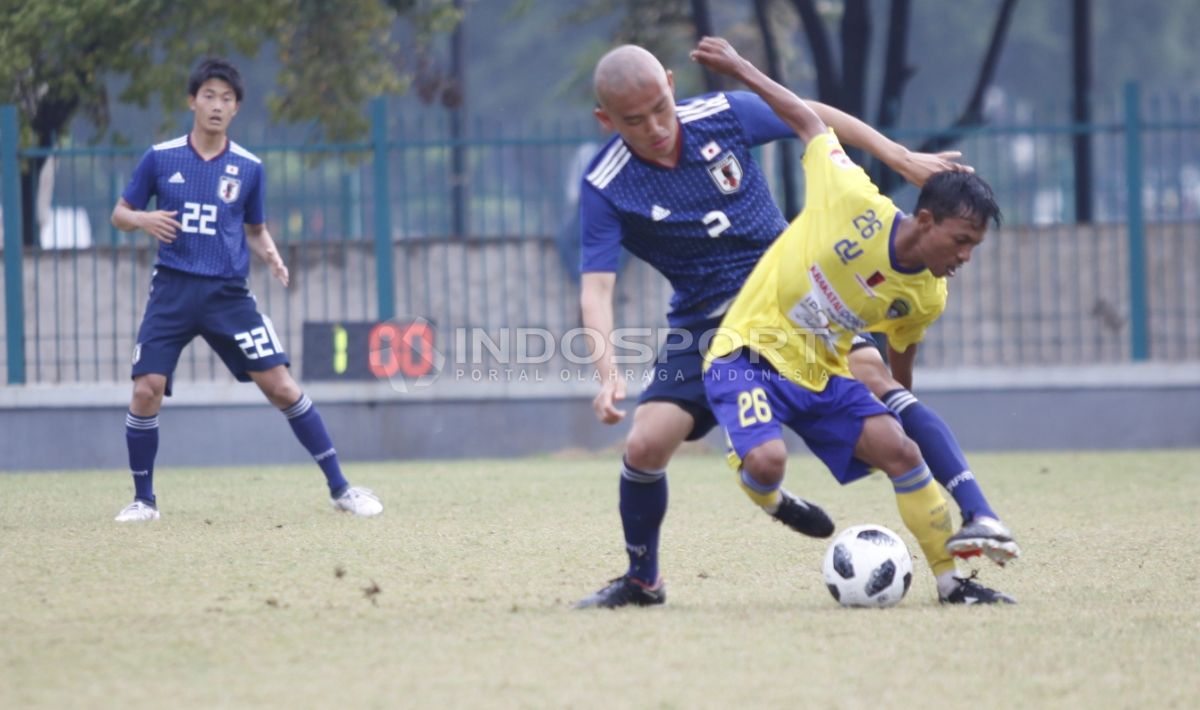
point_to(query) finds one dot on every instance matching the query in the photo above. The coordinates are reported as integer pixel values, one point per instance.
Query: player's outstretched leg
(310, 430)
(643, 505)
(982, 532)
(926, 514)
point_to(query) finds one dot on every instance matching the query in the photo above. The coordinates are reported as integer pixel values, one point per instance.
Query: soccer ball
(867, 565)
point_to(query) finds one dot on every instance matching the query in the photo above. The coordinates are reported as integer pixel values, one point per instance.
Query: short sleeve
(142, 186)
(761, 124)
(830, 174)
(255, 214)
(600, 232)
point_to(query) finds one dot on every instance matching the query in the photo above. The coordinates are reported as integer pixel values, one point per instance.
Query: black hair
(952, 193)
(215, 69)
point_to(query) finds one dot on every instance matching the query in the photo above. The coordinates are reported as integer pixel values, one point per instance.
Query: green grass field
(252, 592)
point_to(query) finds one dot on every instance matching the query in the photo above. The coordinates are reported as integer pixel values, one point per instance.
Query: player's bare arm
(716, 54)
(913, 166)
(258, 238)
(596, 301)
(902, 365)
(159, 224)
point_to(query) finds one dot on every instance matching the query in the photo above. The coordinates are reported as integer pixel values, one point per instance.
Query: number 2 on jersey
(198, 218)
(753, 407)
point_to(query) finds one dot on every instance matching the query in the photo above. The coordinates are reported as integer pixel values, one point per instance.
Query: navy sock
(141, 438)
(310, 430)
(643, 506)
(941, 451)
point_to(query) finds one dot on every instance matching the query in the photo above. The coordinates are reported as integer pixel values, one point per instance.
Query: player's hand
(280, 271)
(716, 54)
(604, 405)
(919, 167)
(161, 225)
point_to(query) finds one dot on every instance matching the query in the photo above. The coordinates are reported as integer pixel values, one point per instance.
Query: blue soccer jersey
(703, 223)
(214, 200)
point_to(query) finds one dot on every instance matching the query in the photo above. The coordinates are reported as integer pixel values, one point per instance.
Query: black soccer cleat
(624, 591)
(969, 591)
(802, 516)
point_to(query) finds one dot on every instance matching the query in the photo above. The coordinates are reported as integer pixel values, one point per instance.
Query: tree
(56, 58)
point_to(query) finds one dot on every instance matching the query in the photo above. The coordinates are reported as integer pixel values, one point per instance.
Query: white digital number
(259, 342)
(717, 222)
(198, 218)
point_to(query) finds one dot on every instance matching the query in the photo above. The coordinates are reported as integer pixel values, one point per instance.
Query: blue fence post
(14, 289)
(1138, 333)
(385, 276)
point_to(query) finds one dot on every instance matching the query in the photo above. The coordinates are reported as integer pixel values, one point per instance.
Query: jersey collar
(892, 247)
(201, 157)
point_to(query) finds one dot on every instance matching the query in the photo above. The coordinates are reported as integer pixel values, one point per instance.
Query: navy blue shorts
(753, 401)
(222, 311)
(678, 375)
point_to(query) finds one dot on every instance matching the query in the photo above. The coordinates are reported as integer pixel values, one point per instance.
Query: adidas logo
(658, 213)
(177, 178)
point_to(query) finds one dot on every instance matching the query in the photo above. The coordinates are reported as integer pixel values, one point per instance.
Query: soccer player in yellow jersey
(851, 262)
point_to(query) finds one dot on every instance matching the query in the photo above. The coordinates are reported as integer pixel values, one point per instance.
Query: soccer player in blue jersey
(851, 262)
(678, 188)
(208, 220)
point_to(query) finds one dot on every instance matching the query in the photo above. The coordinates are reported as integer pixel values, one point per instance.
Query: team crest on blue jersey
(228, 188)
(727, 173)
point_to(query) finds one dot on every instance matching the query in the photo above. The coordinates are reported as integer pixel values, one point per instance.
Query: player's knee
(282, 391)
(646, 452)
(904, 452)
(147, 394)
(766, 463)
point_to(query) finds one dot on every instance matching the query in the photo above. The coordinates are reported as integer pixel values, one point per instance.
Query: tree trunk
(787, 162)
(972, 115)
(829, 81)
(896, 73)
(454, 98)
(702, 20)
(1081, 107)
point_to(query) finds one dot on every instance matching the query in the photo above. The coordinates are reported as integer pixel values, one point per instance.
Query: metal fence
(478, 232)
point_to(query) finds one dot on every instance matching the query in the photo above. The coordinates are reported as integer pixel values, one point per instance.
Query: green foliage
(55, 58)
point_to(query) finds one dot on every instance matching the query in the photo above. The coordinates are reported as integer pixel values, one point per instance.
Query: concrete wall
(53, 427)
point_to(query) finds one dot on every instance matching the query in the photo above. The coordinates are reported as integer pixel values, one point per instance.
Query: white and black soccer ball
(867, 565)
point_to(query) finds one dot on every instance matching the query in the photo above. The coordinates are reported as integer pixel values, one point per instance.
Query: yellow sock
(764, 497)
(926, 515)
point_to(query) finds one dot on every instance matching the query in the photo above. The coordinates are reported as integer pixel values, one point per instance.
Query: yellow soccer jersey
(830, 275)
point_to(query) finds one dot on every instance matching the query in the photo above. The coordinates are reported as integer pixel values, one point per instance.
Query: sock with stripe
(310, 430)
(141, 438)
(941, 451)
(766, 497)
(926, 514)
(643, 507)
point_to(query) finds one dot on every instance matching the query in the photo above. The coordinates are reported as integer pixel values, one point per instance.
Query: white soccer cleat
(359, 501)
(137, 512)
(984, 536)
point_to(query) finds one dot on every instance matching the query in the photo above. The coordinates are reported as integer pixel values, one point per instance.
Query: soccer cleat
(984, 536)
(624, 591)
(359, 501)
(969, 591)
(802, 516)
(136, 512)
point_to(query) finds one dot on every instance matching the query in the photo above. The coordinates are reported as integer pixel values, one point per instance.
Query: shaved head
(624, 70)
